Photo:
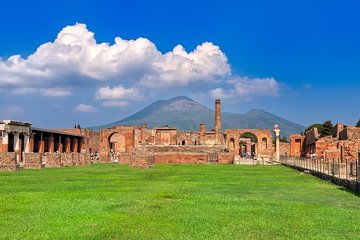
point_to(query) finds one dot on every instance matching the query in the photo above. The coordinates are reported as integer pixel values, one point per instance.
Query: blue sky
(297, 59)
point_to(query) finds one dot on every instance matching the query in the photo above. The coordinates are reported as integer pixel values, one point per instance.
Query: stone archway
(117, 142)
(116, 145)
(251, 141)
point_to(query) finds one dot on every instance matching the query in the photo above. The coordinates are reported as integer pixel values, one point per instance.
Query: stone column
(60, 145)
(277, 142)
(51, 144)
(218, 134)
(75, 145)
(82, 145)
(202, 136)
(31, 142)
(41, 144)
(67, 145)
(143, 133)
(27, 143)
(17, 146)
(5, 142)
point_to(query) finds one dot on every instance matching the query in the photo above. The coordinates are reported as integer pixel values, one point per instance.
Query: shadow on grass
(353, 192)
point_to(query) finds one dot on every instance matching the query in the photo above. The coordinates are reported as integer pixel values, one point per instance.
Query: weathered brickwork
(36, 148)
(263, 146)
(342, 145)
(33, 160)
(8, 161)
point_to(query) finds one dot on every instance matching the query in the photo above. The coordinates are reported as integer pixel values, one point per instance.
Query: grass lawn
(112, 201)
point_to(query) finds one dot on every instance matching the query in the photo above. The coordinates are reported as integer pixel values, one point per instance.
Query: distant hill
(186, 114)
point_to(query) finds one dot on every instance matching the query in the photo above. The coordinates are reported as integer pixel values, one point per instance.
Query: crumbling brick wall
(8, 161)
(33, 160)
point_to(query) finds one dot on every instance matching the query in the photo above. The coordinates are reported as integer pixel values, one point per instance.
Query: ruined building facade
(343, 144)
(28, 147)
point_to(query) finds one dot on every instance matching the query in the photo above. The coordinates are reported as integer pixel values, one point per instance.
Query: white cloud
(85, 108)
(49, 92)
(117, 93)
(247, 88)
(75, 55)
(115, 103)
(74, 59)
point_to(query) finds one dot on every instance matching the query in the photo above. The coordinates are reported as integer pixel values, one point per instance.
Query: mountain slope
(186, 114)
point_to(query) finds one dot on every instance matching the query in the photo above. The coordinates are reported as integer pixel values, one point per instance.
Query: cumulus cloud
(247, 88)
(75, 52)
(118, 96)
(74, 59)
(117, 93)
(85, 108)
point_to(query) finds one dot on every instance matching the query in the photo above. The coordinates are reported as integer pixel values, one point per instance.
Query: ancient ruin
(342, 145)
(25, 146)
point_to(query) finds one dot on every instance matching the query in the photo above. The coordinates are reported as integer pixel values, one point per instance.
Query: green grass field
(112, 201)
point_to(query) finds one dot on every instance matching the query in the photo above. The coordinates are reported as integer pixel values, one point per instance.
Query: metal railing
(345, 173)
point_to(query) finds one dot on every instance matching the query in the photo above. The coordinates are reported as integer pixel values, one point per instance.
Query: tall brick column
(31, 142)
(202, 136)
(218, 135)
(51, 144)
(60, 145)
(143, 133)
(75, 145)
(277, 142)
(67, 145)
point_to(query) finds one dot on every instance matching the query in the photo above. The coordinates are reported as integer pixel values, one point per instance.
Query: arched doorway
(116, 146)
(250, 140)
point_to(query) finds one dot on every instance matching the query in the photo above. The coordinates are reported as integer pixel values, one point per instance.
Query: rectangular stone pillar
(31, 143)
(5, 143)
(277, 142)
(27, 143)
(202, 136)
(143, 133)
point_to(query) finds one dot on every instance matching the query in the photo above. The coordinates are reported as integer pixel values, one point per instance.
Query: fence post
(346, 169)
(332, 169)
(357, 172)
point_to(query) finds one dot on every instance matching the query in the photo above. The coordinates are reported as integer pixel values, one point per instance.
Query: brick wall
(33, 160)
(8, 161)
(181, 158)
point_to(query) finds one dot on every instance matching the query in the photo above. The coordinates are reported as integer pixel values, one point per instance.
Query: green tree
(327, 128)
(319, 127)
(358, 124)
(250, 135)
